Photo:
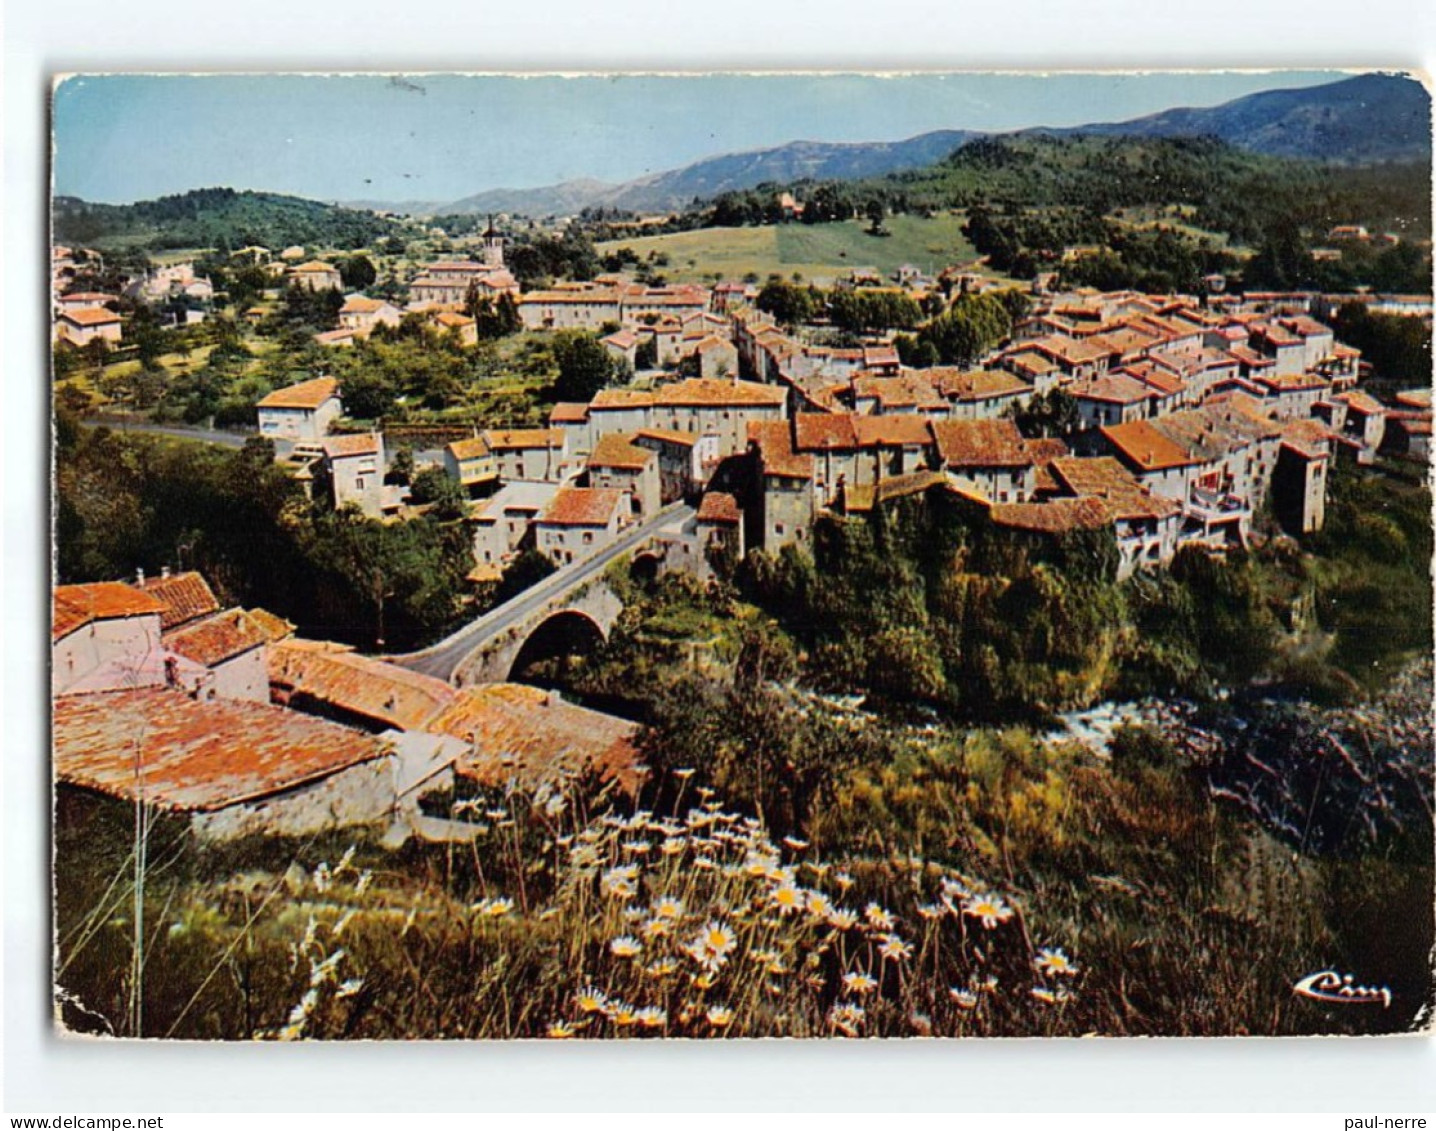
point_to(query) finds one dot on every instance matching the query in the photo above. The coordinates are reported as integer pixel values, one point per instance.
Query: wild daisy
(859, 983)
(497, 908)
(560, 1031)
(787, 899)
(989, 909)
(879, 917)
(843, 880)
(622, 1014)
(591, 999)
(819, 905)
(842, 919)
(667, 907)
(651, 1017)
(930, 911)
(846, 1017)
(673, 846)
(657, 929)
(719, 1016)
(965, 999)
(349, 988)
(662, 968)
(625, 946)
(893, 948)
(1052, 960)
(795, 844)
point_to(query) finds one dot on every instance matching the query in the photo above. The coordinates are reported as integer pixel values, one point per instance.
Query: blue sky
(436, 138)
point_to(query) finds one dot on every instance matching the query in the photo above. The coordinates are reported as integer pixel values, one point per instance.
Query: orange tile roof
(186, 597)
(582, 506)
(196, 755)
(74, 606)
(620, 399)
(362, 304)
(315, 267)
(389, 695)
(1056, 516)
(1106, 479)
(217, 638)
(617, 450)
(775, 443)
(1111, 388)
(516, 439)
(980, 443)
(453, 320)
(901, 430)
(274, 627)
(475, 447)
(532, 736)
(346, 447)
(667, 436)
(1142, 444)
(1361, 402)
(719, 507)
(980, 384)
(568, 412)
(306, 394)
(697, 392)
(90, 316)
(825, 431)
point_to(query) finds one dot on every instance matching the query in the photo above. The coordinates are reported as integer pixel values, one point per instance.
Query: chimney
(140, 576)
(164, 571)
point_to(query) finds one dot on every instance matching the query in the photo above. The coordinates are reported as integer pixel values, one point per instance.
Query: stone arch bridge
(572, 605)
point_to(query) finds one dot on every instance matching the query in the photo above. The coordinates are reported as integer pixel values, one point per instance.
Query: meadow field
(820, 253)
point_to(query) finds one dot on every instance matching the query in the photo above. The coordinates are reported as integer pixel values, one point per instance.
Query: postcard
(641, 556)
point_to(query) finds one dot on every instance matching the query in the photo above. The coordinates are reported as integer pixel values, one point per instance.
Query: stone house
(579, 522)
(301, 412)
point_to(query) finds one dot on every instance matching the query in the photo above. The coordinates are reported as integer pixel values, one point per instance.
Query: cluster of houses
(222, 715)
(1189, 418)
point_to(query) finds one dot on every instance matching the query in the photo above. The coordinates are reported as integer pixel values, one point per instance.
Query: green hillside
(217, 217)
(818, 252)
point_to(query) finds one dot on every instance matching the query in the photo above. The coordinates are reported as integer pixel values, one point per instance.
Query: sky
(437, 138)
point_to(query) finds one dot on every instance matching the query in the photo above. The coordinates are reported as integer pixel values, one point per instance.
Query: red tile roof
(1057, 516)
(362, 304)
(900, 430)
(77, 605)
(475, 447)
(719, 507)
(980, 443)
(667, 436)
(515, 439)
(822, 431)
(346, 447)
(217, 638)
(388, 694)
(568, 412)
(1142, 444)
(186, 597)
(700, 392)
(775, 444)
(532, 736)
(620, 399)
(582, 506)
(194, 755)
(306, 394)
(617, 450)
(90, 316)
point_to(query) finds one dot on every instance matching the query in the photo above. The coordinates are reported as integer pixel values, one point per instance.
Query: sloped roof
(697, 392)
(582, 506)
(617, 450)
(1142, 444)
(475, 447)
(345, 447)
(719, 507)
(532, 736)
(217, 638)
(74, 606)
(386, 693)
(306, 394)
(196, 755)
(186, 597)
(980, 443)
(775, 442)
(1057, 516)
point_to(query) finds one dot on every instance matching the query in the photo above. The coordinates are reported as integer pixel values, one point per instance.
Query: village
(1193, 418)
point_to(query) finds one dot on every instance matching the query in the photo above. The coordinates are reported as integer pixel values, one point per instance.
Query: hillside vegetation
(217, 217)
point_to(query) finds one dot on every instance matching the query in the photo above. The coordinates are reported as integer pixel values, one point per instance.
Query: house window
(359, 483)
(588, 537)
(777, 528)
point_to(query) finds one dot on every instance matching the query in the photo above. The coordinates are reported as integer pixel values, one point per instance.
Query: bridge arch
(568, 632)
(645, 567)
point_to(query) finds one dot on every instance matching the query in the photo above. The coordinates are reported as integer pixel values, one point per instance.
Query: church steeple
(493, 245)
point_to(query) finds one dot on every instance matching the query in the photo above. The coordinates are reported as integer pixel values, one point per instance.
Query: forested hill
(1231, 190)
(217, 217)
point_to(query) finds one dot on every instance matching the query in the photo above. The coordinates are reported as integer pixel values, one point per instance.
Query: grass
(819, 252)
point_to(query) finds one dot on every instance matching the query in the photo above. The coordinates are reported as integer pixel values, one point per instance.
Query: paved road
(441, 660)
(178, 431)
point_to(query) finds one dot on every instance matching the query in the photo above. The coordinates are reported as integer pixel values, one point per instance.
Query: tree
(358, 272)
(435, 485)
(875, 213)
(973, 325)
(584, 366)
